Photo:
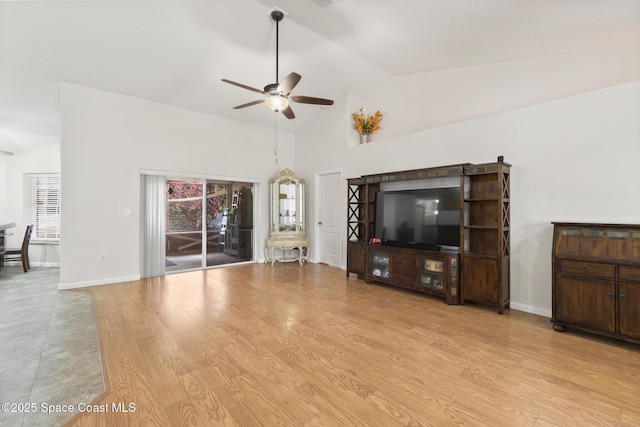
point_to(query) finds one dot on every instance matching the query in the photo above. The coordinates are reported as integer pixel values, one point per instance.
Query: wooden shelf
(485, 258)
(482, 254)
(490, 199)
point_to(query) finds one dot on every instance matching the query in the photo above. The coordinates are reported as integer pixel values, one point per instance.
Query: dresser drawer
(629, 273)
(586, 268)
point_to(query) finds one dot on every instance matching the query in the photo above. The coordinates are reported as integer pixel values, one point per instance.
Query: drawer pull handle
(610, 294)
(585, 267)
(623, 297)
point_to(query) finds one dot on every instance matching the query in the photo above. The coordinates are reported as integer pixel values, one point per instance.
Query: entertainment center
(442, 231)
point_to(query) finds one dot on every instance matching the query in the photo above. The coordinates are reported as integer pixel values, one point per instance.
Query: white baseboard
(32, 264)
(45, 264)
(530, 309)
(63, 286)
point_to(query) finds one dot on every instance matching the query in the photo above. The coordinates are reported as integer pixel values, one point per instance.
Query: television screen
(425, 217)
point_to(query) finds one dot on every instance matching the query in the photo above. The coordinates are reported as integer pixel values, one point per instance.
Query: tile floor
(48, 346)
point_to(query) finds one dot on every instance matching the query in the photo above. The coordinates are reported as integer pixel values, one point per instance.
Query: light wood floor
(256, 345)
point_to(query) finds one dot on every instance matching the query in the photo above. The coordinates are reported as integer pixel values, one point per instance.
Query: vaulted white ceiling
(177, 51)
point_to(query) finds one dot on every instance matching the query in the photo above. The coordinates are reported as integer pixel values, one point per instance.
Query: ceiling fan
(278, 94)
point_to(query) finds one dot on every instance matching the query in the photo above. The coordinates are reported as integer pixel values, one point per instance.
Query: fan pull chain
(275, 138)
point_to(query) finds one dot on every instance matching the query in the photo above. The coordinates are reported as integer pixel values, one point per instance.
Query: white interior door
(328, 220)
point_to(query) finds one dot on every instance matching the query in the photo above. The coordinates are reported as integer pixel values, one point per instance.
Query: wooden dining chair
(21, 254)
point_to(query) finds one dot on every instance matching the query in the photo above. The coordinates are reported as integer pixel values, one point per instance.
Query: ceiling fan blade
(289, 83)
(310, 100)
(249, 104)
(288, 113)
(244, 86)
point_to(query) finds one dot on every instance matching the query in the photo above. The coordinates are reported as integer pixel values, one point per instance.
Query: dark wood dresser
(596, 279)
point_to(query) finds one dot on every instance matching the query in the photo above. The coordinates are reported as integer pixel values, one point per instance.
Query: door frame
(256, 207)
(316, 213)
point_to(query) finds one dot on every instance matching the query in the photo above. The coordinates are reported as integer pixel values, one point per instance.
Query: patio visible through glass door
(229, 211)
(184, 224)
(220, 224)
(217, 212)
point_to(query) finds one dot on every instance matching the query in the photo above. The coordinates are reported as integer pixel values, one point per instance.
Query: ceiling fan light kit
(277, 102)
(278, 94)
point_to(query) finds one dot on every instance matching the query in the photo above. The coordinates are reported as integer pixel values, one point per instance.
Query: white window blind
(46, 207)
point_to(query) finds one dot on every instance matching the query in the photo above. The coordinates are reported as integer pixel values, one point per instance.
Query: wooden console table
(285, 244)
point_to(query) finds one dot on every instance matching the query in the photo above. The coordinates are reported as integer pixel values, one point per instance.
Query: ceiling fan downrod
(277, 16)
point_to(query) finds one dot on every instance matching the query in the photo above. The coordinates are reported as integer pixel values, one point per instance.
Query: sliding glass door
(184, 223)
(209, 223)
(217, 211)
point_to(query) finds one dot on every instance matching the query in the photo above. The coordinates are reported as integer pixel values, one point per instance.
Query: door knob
(319, 222)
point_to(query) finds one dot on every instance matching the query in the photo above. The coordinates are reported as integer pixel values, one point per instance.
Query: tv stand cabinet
(479, 273)
(430, 272)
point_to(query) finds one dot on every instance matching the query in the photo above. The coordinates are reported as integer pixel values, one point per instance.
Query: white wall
(416, 102)
(574, 159)
(4, 166)
(107, 139)
(17, 198)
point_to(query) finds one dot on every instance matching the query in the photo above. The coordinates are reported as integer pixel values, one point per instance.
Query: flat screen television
(425, 218)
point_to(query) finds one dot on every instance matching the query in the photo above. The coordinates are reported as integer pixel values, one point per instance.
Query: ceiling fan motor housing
(272, 88)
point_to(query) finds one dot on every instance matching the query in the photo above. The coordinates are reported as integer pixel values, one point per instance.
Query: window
(46, 207)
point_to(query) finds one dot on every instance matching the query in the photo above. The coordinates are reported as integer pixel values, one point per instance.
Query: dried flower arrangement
(366, 125)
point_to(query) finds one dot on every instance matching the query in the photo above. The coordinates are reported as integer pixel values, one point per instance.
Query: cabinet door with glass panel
(287, 193)
(287, 240)
(438, 275)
